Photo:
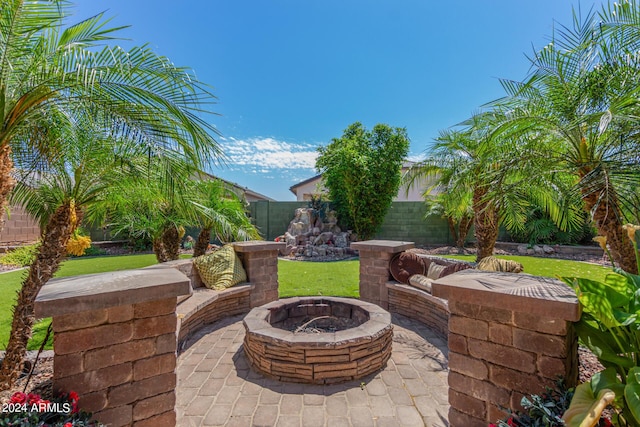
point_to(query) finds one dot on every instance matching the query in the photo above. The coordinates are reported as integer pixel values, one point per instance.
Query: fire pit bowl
(318, 340)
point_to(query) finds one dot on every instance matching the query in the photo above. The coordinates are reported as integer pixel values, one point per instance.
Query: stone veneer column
(509, 335)
(115, 342)
(260, 261)
(374, 268)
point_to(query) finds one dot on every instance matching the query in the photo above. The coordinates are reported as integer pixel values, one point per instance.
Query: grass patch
(10, 284)
(299, 278)
(552, 267)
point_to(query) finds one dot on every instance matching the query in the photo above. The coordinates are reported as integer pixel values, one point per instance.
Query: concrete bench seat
(419, 305)
(204, 306)
(207, 306)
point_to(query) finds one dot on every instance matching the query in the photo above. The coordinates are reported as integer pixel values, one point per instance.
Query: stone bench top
(387, 246)
(75, 294)
(202, 297)
(522, 292)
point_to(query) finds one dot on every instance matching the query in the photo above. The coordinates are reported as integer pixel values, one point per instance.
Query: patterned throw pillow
(454, 268)
(405, 265)
(492, 263)
(435, 270)
(421, 282)
(220, 269)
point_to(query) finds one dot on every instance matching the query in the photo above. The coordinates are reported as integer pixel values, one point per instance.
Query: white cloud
(263, 155)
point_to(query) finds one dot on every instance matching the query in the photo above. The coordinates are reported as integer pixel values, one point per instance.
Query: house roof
(237, 187)
(306, 181)
(405, 165)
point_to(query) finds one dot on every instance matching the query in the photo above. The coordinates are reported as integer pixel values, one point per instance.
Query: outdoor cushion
(435, 270)
(220, 269)
(421, 282)
(492, 263)
(405, 265)
(453, 268)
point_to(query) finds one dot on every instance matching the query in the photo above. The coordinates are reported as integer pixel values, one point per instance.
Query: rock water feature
(313, 235)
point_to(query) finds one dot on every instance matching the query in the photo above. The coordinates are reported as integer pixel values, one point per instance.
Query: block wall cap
(388, 246)
(69, 295)
(257, 246)
(542, 296)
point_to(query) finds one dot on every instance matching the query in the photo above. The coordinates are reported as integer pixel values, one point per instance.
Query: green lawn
(339, 278)
(552, 267)
(10, 284)
(296, 279)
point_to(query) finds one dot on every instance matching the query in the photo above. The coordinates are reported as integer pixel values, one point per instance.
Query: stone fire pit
(299, 339)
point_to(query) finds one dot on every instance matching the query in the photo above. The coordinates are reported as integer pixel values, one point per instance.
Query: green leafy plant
(542, 410)
(22, 256)
(610, 328)
(546, 409)
(362, 171)
(94, 251)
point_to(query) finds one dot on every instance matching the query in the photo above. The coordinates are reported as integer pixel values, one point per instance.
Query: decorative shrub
(610, 328)
(30, 410)
(22, 256)
(545, 410)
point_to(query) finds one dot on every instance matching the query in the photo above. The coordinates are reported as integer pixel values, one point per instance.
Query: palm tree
(579, 106)
(138, 94)
(496, 172)
(455, 207)
(221, 212)
(151, 209)
(75, 179)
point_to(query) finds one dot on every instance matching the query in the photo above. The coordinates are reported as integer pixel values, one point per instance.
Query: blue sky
(292, 74)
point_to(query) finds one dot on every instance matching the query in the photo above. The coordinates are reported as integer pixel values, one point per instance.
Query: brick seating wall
(419, 305)
(509, 334)
(116, 334)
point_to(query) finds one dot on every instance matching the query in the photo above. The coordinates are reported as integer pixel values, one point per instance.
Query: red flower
(33, 398)
(68, 425)
(73, 396)
(19, 397)
(510, 422)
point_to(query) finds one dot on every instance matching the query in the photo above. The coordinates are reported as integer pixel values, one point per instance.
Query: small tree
(362, 171)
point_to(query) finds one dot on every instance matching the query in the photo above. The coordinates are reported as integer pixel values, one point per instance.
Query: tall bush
(362, 170)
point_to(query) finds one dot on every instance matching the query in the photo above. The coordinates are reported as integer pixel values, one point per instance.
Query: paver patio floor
(217, 388)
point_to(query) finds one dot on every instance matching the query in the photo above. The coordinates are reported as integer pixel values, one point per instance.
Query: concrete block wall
(19, 227)
(404, 220)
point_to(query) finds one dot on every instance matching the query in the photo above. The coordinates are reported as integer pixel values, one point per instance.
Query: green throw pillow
(220, 269)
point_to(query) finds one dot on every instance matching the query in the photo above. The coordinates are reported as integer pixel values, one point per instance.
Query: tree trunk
(159, 250)
(452, 229)
(202, 243)
(52, 251)
(607, 218)
(171, 242)
(6, 181)
(463, 229)
(485, 222)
